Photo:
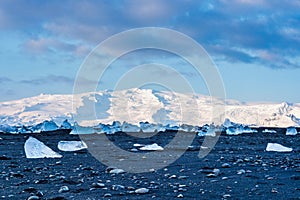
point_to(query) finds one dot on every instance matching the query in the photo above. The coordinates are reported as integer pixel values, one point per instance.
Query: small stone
(226, 196)
(241, 171)
(107, 195)
(216, 172)
(64, 189)
(130, 188)
(182, 177)
(211, 175)
(116, 171)
(151, 170)
(98, 185)
(173, 176)
(4, 157)
(274, 190)
(180, 196)
(108, 169)
(33, 198)
(141, 191)
(225, 165)
(39, 193)
(117, 187)
(295, 177)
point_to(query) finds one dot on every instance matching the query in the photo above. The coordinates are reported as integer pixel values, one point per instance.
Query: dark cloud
(237, 30)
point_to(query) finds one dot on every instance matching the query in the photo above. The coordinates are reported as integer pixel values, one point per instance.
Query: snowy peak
(142, 105)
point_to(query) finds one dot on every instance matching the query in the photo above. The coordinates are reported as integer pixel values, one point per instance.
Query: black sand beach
(238, 167)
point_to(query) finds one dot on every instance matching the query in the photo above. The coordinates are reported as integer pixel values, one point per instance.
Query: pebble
(107, 195)
(117, 187)
(274, 190)
(116, 171)
(98, 185)
(226, 165)
(226, 195)
(33, 198)
(180, 196)
(241, 171)
(173, 176)
(141, 191)
(4, 157)
(64, 189)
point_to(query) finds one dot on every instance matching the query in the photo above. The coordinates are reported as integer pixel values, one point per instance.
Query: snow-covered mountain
(137, 105)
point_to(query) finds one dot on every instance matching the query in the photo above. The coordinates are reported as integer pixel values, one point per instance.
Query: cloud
(51, 45)
(50, 79)
(4, 80)
(224, 27)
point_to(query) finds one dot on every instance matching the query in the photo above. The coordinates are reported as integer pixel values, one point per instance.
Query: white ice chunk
(278, 148)
(291, 131)
(37, 149)
(71, 145)
(138, 145)
(152, 147)
(269, 131)
(239, 130)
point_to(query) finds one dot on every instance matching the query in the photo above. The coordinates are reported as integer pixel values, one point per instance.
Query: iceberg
(8, 129)
(227, 123)
(116, 126)
(24, 129)
(37, 149)
(110, 129)
(278, 148)
(146, 127)
(77, 129)
(126, 127)
(170, 127)
(152, 147)
(239, 130)
(49, 126)
(71, 145)
(208, 130)
(291, 131)
(187, 128)
(66, 125)
(269, 131)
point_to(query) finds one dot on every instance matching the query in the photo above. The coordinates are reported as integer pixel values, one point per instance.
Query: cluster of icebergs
(36, 149)
(229, 127)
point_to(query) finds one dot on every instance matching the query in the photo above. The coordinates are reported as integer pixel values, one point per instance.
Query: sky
(255, 45)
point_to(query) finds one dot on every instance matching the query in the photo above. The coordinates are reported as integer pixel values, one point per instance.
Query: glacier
(139, 110)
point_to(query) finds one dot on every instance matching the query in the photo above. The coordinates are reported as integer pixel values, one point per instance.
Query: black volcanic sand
(243, 170)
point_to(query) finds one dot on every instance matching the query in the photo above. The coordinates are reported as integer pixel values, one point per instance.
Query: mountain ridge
(136, 105)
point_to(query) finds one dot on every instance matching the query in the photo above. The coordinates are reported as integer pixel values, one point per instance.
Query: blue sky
(255, 44)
